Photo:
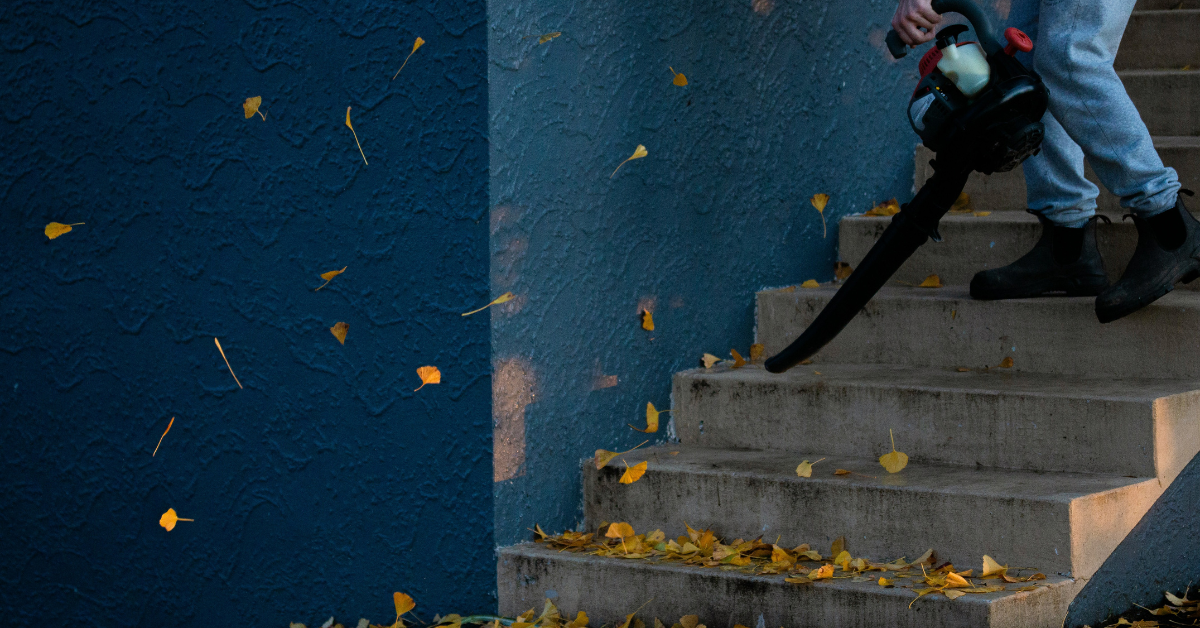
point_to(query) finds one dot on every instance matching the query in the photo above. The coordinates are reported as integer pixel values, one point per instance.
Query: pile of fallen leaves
(801, 565)
(1176, 611)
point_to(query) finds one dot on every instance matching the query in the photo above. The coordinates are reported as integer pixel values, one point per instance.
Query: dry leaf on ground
(886, 208)
(709, 360)
(603, 456)
(810, 283)
(738, 360)
(634, 473)
(842, 271)
(1006, 363)
(894, 461)
(932, 281)
(804, 469)
(756, 352)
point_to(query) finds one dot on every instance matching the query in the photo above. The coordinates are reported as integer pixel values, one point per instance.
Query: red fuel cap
(1017, 40)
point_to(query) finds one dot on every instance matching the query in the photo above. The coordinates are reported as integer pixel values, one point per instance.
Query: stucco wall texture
(786, 98)
(327, 483)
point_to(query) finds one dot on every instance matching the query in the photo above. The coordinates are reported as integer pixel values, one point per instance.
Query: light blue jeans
(1090, 114)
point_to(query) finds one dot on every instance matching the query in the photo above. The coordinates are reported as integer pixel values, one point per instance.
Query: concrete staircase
(1046, 464)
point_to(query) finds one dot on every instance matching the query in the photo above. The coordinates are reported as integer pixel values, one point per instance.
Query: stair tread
(1175, 299)
(947, 379)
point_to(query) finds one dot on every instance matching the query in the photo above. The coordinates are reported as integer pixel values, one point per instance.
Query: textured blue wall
(326, 484)
(787, 98)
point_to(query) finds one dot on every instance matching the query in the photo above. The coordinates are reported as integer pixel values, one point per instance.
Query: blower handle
(966, 8)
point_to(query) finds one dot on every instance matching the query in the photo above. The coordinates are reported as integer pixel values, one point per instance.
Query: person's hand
(913, 15)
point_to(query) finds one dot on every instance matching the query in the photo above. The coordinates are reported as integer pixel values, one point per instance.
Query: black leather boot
(1168, 251)
(1064, 260)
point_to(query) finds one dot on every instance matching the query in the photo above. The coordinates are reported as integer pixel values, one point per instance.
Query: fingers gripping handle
(969, 10)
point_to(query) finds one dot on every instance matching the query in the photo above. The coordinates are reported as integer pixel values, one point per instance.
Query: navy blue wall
(787, 98)
(327, 483)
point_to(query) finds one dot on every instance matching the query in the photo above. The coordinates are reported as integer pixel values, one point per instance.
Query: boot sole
(1108, 315)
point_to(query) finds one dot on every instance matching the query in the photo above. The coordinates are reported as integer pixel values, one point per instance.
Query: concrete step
(1164, 5)
(996, 418)
(945, 327)
(1169, 100)
(974, 243)
(1160, 40)
(1006, 191)
(1057, 523)
(609, 588)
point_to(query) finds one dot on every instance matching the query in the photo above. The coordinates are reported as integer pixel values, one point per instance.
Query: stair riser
(1169, 101)
(1045, 335)
(1006, 190)
(877, 520)
(977, 243)
(1036, 432)
(1160, 40)
(608, 590)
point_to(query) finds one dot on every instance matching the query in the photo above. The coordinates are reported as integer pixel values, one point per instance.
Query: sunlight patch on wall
(513, 388)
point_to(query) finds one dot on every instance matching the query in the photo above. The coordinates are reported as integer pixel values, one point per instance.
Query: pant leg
(1074, 54)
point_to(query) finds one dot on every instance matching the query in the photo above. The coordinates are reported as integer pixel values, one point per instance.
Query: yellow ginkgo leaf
(842, 271)
(404, 603)
(932, 281)
(804, 469)
(339, 330)
(842, 472)
(250, 107)
(634, 473)
(680, 80)
(981, 214)
(548, 36)
(738, 360)
(756, 352)
(651, 419)
(991, 568)
(886, 208)
(824, 573)
(647, 320)
(328, 277)
(164, 435)
(709, 360)
(169, 519)
(637, 154)
(884, 582)
(954, 581)
(837, 547)
(603, 456)
(428, 375)
(356, 142)
(819, 201)
(1006, 363)
(235, 377)
(810, 283)
(416, 44)
(894, 461)
(504, 298)
(620, 530)
(55, 229)
(952, 593)
(962, 205)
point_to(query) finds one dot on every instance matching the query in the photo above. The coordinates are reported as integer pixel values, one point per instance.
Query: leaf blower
(977, 108)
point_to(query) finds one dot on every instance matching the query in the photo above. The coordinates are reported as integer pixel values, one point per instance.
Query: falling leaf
(637, 154)
(811, 283)
(428, 375)
(842, 472)
(709, 360)
(169, 519)
(804, 469)
(825, 572)
(55, 229)
(619, 531)
(339, 330)
(886, 208)
(404, 604)
(328, 277)
(842, 271)
(738, 360)
(647, 320)
(1006, 363)
(548, 36)
(932, 281)
(351, 126)
(680, 80)
(504, 298)
(634, 473)
(164, 435)
(416, 44)
(651, 419)
(251, 107)
(894, 461)
(603, 456)
(756, 352)
(227, 362)
(819, 201)
(991, 568)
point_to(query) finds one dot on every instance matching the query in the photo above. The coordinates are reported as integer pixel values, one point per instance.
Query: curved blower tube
(915, 223)
(966, 8)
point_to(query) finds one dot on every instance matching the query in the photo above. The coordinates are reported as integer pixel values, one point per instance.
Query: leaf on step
(841, 472)
(895, 461)
(634, 473)
(756, 352)
(603, 456)
(928, 558)
(962, 205)
(991, 568)
(804, 469)
(798, 580)
(963, 369)
(842, 559)
(932, 281)
(709, 360)
(839, 546)
(339, 330)
(886, 208)
(1006, 363)
(690, 621)
(982, 214)
(884, 582)
(842, 270)
(738, 360)
(824, 573)
(953, 593)
(955, 581)
(620, 530)
(811, 283)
